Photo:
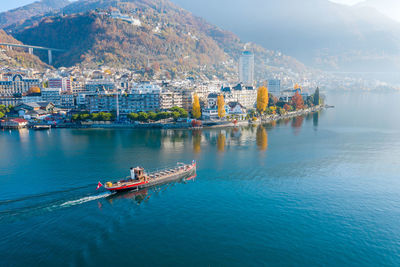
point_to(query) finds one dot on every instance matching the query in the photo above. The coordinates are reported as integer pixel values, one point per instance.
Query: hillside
(37, 8)
(165, 36)
(320, 33)
(17, 57)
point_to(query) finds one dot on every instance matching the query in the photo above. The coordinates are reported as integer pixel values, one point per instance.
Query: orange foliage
(297, 101)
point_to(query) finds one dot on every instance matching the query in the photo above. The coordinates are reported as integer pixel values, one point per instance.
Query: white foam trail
(84, 200)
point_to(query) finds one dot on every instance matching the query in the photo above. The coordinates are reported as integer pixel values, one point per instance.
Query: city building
(246, 68)
(14, 123)
(99, 85)
(245, 95)
(63, 83)
(52, 95)
(16, 85)
(274, 87)
(143, 97)
(67, 100)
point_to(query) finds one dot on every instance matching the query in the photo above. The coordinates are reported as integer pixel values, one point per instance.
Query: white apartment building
(246, 68)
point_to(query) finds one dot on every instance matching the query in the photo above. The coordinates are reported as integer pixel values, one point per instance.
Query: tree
(297, 101)
(176, 115)
(272, 100)
(74, 117)
(152, 116)
(196, 112)
(183, 113)
(221, 106)
(316, 97)
(84, 116)
(1, 115)
(287, 107)
(133, 116)
(94, 116)
(262, 99)
(142, 116)
(107, 116)
(163, 115)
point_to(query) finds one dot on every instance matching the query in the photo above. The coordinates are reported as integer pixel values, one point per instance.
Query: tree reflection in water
(221, 142)
(262, 138)
(196, 137)
(297, 122)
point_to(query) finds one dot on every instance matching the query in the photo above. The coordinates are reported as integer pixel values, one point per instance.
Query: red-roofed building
(14, 123)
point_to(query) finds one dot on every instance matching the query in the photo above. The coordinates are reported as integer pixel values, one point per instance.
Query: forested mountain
(162, 35)
(317, 32)
(17, 56)
(37, 8)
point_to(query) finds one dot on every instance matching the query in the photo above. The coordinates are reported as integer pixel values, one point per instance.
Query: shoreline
(187, 126)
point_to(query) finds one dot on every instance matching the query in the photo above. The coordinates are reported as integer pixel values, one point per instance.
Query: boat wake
(84, 200)
(34, 205)
(43, 195)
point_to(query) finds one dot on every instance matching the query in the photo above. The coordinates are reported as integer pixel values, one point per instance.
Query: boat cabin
(138, 173)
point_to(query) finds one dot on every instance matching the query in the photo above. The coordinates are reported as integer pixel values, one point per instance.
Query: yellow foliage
(262, 99)
(221, 106)
(196, 112)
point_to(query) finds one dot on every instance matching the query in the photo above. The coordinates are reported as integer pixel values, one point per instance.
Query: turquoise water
(318, 190)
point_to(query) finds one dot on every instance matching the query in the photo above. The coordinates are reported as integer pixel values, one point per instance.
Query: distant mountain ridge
(320, 33)
(390, 8)
(168, 36)
(25, 12)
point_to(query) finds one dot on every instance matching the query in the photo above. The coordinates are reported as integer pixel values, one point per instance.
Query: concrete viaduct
(32, 47)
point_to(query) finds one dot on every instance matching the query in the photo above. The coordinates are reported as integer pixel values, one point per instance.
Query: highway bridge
(32, 47)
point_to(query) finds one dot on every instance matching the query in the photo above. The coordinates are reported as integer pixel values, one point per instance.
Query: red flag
(99, 185)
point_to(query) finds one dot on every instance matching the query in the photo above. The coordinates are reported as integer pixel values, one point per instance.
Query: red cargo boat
(139, 179)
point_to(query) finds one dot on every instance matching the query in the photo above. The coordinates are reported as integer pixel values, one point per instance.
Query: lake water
(318, 190)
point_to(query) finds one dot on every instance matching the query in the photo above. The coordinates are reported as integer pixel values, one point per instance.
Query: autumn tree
(297, 101)
(297, 86)
(196, 112)
(221, 106)
(262, 99)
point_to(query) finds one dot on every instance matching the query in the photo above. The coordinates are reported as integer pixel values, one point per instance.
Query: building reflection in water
(315, 119)
(262, 138)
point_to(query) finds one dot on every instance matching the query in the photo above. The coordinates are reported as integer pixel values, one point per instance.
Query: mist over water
(316, 190)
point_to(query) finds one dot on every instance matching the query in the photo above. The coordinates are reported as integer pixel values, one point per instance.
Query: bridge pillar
(30, 49)
(50, 56)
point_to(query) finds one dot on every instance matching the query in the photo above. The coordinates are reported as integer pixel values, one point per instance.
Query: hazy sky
(10, 4)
